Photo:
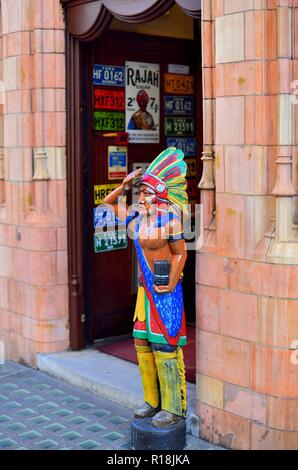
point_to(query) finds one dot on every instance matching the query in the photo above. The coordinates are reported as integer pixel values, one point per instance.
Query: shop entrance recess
(102, 282)
(126, 71)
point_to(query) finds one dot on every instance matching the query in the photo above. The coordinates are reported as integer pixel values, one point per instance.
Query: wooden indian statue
(159, 322)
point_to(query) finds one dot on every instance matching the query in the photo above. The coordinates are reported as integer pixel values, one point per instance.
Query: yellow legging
(163, 377)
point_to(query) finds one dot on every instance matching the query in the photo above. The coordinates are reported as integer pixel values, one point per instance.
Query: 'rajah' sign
(142, 102)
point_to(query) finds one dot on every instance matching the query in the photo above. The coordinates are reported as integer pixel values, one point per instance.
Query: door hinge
(83, 318)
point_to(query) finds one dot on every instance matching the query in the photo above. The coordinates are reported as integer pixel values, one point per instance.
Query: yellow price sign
(179, 84)
(101, 191)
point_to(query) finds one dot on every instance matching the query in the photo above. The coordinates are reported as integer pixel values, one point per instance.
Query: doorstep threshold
(109, 377)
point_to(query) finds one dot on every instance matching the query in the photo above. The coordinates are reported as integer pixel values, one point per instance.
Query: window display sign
(103, 217)
(142, 102)
(178, 105)
(179, 126)
(101, 191)
(187, 145)
(117, 168)
(109, 99)
(109, 121)
(179, 84)
(178, 68)
(108, 75)
(110, 241)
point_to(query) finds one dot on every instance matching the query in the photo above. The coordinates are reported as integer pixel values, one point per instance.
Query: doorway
(86, 21)
(110, 272)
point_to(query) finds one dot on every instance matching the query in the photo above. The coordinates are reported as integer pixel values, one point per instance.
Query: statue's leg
(149, 379)
(171, 375)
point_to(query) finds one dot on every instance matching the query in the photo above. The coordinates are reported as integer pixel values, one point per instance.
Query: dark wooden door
(110, 286)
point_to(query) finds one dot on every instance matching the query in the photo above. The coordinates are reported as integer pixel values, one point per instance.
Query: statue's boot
(171, 375)
(150, 382)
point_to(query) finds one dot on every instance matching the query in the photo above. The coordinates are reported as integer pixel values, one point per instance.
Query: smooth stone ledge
(108, 377)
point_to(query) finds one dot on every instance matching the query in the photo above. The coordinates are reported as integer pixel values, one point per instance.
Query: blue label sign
(105, 217)
(178, 105)
(108, 75)
(118, 159)
(188, 146)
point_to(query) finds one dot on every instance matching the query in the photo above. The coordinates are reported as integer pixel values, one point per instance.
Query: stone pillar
(247, 380)
(33, 245)
(2, 178)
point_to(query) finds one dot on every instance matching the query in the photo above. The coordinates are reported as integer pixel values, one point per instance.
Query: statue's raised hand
(129, 180)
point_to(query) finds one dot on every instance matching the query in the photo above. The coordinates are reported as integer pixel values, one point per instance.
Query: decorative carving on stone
(284, 186)
(207, 181)
(41, 172)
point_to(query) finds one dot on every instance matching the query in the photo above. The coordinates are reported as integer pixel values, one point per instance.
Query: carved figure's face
(146, 200)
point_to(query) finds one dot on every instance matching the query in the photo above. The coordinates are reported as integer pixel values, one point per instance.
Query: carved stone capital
(284, 186)
(207, 181)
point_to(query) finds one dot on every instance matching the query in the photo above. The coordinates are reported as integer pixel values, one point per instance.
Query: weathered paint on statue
(159, 321)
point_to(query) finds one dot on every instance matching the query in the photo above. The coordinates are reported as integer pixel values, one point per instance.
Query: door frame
(86, 20)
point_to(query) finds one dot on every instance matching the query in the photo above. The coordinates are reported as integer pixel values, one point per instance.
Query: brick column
(247, 380)
(33, 268)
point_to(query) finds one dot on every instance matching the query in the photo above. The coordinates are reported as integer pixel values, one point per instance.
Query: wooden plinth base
(145, 436)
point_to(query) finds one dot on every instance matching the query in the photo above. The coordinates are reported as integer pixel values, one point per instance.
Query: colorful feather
(170, 168)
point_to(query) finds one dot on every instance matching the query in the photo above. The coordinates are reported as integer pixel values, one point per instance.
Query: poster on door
(142, 92)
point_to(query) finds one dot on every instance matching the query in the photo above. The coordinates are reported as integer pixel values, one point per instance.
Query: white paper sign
(142, 102)
(178, 68)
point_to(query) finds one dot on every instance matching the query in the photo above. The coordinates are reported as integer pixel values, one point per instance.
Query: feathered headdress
(166, 176)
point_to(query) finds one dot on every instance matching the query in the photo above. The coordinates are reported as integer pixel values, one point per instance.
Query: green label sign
(109, 121)
(179, 126)
(110, 241)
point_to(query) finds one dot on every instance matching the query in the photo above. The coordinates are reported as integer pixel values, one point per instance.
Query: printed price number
(105, 121)
(179, 84)
(109, 99)
(110, 241)
(153, 105)
(178, 105)
(179, 126)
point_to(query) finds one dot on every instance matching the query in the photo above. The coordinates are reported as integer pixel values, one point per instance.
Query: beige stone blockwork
(245, 169)
(233, 6)
(256, 223)
(230, 120)
(210, 391)
(243, 402)
(56, 161)
(285, 120)
(6, 263)
(230, 220)
(277, 322)
(229, 38)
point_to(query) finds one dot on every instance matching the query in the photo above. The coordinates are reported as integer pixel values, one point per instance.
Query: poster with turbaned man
(142, 91)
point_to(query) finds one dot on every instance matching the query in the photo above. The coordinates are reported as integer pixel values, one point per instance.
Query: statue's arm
(112, 199)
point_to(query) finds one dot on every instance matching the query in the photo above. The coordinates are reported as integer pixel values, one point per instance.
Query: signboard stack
(179, 119)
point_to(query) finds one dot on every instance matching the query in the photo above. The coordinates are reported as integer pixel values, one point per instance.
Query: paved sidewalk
(40, 412)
